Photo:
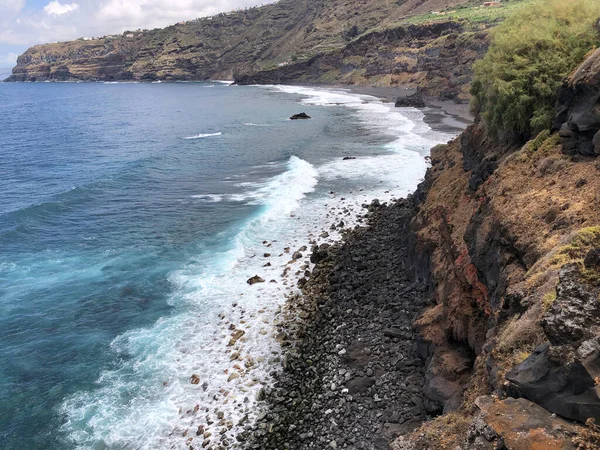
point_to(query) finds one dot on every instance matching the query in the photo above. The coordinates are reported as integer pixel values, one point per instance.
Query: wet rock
(318, 254)
(237, 334)
(346, 158)
(195, 379)
(255, 279)
(415, 100)
(233, 376)
(300, 116)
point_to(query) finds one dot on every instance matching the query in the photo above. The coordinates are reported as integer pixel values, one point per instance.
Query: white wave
(227, 82)
(250, 124)
(149, 402)
(200, 136)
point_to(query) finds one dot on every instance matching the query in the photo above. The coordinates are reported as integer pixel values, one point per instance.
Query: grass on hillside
(475, 13)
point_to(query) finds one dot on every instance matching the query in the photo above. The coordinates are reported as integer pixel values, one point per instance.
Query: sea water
(131, 217)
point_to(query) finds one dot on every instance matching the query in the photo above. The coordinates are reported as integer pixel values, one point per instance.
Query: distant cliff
(433, 57)
(324, 41)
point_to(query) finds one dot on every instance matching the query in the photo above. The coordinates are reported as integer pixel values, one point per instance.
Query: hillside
(284, 35)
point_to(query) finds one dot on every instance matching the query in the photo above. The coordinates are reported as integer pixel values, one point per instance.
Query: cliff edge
(507, 236)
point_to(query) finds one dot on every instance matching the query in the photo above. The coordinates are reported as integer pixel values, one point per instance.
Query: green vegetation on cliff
(531, 53)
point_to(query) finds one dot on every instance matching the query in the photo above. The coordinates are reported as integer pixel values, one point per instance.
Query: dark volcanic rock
(592, 259)
(575, 314)
(414, 100)
(300, 116)
(255, 279)
(566, 389)
(578, 116)
(351, 377)
(560, 375)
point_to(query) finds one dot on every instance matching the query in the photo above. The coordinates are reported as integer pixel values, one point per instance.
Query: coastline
(350, 374)
(436, 110)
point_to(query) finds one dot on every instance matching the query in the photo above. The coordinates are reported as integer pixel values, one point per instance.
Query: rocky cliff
(508, 238)
(325, 41)
(433, 57)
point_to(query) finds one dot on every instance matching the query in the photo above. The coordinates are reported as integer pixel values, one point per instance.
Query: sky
(28, 22)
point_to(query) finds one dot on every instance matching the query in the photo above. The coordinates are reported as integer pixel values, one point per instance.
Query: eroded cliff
(508, 237)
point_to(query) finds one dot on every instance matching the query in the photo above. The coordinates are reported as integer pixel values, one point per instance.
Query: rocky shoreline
(351, 377)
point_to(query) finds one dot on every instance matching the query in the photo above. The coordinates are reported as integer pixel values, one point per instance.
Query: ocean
(132, 216)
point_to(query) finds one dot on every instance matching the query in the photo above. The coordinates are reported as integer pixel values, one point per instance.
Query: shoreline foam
(205, 404)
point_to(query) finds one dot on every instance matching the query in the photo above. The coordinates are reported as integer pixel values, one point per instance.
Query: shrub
(515, 85)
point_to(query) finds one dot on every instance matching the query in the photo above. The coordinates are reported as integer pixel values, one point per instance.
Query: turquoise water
(131, 216)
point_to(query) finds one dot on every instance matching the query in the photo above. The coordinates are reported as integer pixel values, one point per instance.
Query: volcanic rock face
(560, 374)
(508, 239)
(436, 58)
(578, 116)
(323, 41)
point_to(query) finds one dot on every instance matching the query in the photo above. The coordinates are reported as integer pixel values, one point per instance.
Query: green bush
(515, 85)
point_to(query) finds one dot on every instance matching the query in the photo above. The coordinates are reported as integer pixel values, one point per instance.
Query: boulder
(592, 259)
(578, 117)
(575, 314)
(255, 279)
(300, 116)
(359, 385)
(562, 387)
(517, 424)
(414, 100)
(318, 253)
(346, 158)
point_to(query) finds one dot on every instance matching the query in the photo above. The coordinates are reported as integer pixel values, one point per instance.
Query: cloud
(12, 5)
(23, 24)
(56, 8)
(9, 59)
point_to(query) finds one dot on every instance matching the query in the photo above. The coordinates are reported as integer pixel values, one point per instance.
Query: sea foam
(149, 400)
(200, 136)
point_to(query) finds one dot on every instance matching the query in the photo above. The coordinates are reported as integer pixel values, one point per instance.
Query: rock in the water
(255, 279)
(300, 116)
(414, 100)
(346, 158)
